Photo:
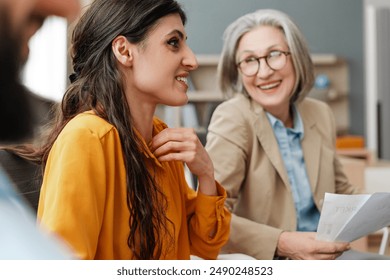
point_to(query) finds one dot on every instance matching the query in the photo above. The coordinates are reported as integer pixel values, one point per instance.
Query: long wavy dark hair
(97, 85)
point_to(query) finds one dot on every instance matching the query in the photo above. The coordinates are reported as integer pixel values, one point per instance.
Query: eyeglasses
(275, 60)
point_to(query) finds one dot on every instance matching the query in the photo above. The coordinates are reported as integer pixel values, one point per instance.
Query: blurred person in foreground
(26, 17)
(25, 174)
(19, 236)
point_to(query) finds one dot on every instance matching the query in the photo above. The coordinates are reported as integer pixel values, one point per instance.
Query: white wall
(45, 72)
(377, 89)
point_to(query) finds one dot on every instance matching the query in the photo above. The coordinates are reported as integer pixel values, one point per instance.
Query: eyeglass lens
(275, 60)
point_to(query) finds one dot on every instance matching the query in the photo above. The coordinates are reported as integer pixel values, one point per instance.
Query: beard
(15, 112)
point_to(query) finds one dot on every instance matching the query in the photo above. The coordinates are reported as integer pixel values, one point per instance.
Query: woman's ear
(122, 50)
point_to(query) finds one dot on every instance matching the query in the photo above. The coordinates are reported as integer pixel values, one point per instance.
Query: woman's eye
(274, 54)
(250, 59)
(174, 42)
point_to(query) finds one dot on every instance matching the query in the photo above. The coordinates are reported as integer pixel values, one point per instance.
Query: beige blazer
(248, 164)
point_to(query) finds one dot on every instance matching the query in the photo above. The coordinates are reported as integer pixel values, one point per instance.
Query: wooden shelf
(205, 96)
(325, 59)
(207, 59)
(328, 95)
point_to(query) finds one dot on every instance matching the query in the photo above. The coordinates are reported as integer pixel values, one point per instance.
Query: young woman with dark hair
(114, 184)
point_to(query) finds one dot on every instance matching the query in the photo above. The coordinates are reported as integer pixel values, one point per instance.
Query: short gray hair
(228, 73)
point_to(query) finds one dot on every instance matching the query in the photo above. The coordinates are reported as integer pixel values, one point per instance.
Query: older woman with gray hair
(273, 148)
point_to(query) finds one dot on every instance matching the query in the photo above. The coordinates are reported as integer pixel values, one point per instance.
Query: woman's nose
(264, 70)
(190, 60)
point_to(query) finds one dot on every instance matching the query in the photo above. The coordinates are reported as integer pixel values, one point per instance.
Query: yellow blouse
(83, 197)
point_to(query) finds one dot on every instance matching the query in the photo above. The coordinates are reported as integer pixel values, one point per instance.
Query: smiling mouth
(270, 85)
(183, 80)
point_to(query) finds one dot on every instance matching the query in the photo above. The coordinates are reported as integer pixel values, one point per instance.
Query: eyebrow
(268, 49)
(179, 33)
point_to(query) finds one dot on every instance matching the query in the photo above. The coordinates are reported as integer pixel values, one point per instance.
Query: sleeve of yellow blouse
(73, 191)
(209, 223)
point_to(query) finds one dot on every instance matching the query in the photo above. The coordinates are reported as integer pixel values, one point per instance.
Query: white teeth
(182, 79)
(269, 86)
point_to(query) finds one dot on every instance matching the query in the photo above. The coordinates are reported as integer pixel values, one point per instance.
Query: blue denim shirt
(289, 141)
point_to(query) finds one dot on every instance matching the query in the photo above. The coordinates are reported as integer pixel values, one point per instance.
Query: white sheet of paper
(336, 211)
(372, 216)
(349, 217)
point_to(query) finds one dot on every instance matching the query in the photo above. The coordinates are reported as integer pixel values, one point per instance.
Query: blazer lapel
(311, 146)
(266, 136)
